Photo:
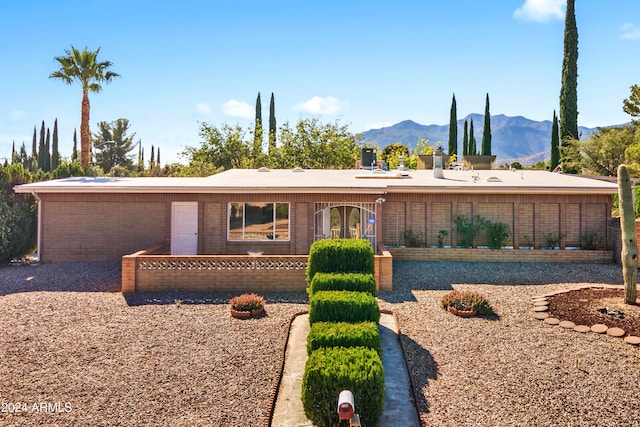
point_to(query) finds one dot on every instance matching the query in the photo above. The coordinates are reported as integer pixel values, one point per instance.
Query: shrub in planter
(252, 304)
(343, 306)
(343, 282)
(497, 232)
(590, 241)
(329, 371)
(467, 300)
(340, 256)
(343, 334)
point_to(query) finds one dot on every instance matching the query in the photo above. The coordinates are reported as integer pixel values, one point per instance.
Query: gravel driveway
(94, 357)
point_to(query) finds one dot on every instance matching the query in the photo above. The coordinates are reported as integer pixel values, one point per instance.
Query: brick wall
(502, 255)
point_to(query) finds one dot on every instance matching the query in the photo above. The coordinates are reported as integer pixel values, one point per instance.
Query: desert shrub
(329, 371)
(343, 334)
(497, 232)
(414, 239)
(343, 282)
(467, 300)
(247, 302)
(343, 306)
(340, 256)
(590, 241)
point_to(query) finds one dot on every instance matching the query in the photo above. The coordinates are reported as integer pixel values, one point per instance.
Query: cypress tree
(472, 139)
(465, 140)
(257, 136)
(272, 126)
(33, 160)
(569, 91)
(152, 157)
(555, 143)
(47, 153)
(158, 160)
(74, 153)
(140, 163)
(486, 133)
(13, 152)
(41, 148)
(453, 128)
(55, 154)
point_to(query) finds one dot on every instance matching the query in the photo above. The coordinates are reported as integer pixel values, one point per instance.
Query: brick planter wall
(501, 255)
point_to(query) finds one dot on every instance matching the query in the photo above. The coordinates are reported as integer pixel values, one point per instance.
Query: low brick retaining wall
(142, 272)
(500, 255)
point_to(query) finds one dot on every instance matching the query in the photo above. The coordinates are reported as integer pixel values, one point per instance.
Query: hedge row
(333, 369)
(343, 306)
(360, 282)
(340, 256)
(343, 334)
(343, 343)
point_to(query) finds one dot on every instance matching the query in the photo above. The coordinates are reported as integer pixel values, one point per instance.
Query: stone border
(541, 306)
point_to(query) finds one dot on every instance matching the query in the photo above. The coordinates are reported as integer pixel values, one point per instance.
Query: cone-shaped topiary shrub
(343, 334)
(343, 306)
(329, 371)
(359, 282)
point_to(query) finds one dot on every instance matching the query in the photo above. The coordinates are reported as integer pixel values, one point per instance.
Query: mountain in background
(512, 138)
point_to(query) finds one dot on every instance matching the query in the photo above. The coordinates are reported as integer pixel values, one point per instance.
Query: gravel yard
(70, 338)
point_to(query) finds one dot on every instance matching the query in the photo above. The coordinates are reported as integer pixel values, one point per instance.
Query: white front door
(184, 228)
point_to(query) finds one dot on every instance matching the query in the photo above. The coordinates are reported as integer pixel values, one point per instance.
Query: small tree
(272, 126)
(555, 143)
(472, 139)
(465, 140)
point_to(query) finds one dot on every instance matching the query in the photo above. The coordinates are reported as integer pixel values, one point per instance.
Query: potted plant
(590, 241)
(246, 305)
(528, 243)
(442, 235)
(553, 240)
(466, 303)
(466, 230)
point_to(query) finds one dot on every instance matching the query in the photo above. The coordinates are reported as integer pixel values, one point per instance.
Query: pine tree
(555, 143)
(453, 128)
(55, 154)
(465, 140)
(472, 139)
(257, 135)
(486, 133)
(74, 153)
(41, 148)
(569, 91)
(272, 126)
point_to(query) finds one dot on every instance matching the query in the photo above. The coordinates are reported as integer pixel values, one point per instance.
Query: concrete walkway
(399, 405)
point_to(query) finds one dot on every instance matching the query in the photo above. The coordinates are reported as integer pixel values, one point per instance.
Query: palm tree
(83, 67)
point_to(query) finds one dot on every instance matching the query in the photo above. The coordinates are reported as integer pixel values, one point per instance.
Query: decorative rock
(632, 339)
(599, 328)
(567, 324)
(582, 328)
(615, 332)
(551, 321)
(540, 315)
(541, 308)
(540, 303)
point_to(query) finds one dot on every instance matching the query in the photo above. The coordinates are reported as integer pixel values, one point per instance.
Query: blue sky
(368, 64)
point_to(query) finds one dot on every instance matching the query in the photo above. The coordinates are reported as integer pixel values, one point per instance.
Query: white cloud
(540, 10)
(376, 125)
(202, 108)
(17, 115)
(319, 105)
(630, 32)
(235, 108)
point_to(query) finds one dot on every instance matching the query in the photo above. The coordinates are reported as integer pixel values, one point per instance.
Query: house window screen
(258, 221)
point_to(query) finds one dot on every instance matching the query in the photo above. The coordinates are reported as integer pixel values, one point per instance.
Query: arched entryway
(345, 221)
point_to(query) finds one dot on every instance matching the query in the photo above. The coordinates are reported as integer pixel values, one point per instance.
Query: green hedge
(343, 334)
(359, 282)
(343, 306)
(340, 256)
(329, 371)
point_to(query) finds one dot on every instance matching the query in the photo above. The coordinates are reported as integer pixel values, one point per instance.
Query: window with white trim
(258, 221)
